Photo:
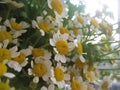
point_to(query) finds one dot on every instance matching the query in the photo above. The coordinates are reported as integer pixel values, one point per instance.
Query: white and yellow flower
(20, 61)
(40, 69)
(41, 53)
(59, 76)
(42, 24)
(79, 50)
(104, 84)
(59, 8)
(17, 29)
(61, 46)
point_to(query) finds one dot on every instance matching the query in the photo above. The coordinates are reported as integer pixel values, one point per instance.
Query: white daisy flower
(41, 69)
(61, 46)
(17, 63)
(79, 50)
(41, 53)
(59, 76)
(16, 28)
(59, 8)
(7, 54)
(42, 24)
(104, 84)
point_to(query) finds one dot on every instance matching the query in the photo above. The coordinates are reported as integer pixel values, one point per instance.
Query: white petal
(43, 88)
(24, 24)
(67, 77)
(9, 75)
(64, 36)
(52, 42)
(15, 66)
(6, 42)
(82, 58)
(42, 32)
(51, 87)
(24, 63)
(30, 71)
(36, 79)
(34, 23)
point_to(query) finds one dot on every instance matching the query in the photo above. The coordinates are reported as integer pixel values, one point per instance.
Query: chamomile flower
(50, 87)
(104, 84)
(40, 69)
(59, 76)
(59, 8)
(41, 53)
(79, 50)
(7, 54)
(17, 29)
(20, 61)
(42, 24)
(61, 46)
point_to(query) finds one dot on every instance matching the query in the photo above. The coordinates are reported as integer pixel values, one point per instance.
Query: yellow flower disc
(20, 59)
(4, 86)
(80, 19)
(39, 69)
(105, 85)
(57, 6)
(44, 26)
(76, 32)
(16, 26)
(79, 49)
(64, 30)
(79, 64)
(89, 76)
(3, 69)
(5, 35)
(62, 47)
(94, 22)
(4, 54)
(59, 74)
(37, 52)
(90, 68)
(75, 85)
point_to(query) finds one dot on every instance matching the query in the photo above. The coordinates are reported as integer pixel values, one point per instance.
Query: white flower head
(17, 29)
(61, 46)
(59, 76)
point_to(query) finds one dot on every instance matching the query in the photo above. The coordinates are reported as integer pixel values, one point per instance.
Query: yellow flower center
(3, 69)
(4, 86)
(94, 22)
(62, 47)
(80, 19)
(5, 35)
(59, 74)
(76, 32)
(79, 49)
(57, 6)
(90, 68)
(39, 69)
(75, 85)
(105, 85)
(44, 26)
(16, 26)
(4, 54)
(89, 76)
(64, 30)
(37, 52)
(20, 59)
(79, 64)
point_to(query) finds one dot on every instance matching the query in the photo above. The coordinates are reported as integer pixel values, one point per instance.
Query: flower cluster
(50, 51)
